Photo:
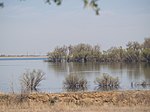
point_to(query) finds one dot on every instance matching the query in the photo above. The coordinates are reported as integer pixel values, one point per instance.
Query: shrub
(74, 82)
(107, 81)
(31, 80)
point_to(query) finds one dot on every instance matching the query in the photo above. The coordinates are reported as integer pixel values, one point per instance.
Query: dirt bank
(119, 98)
(112, 99)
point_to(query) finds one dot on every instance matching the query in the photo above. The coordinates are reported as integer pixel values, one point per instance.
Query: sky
(34, 27)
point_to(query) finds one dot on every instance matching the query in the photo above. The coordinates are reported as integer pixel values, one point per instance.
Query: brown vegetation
(80, 101)
(31, 80)
(107, 81)
(74, 82)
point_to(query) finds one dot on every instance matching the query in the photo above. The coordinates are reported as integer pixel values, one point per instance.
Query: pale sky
(35, 27)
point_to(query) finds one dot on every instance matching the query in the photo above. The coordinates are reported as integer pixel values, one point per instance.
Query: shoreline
(30, 56)
(24, 58)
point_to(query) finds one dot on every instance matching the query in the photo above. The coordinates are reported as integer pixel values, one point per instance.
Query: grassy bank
(86, 101)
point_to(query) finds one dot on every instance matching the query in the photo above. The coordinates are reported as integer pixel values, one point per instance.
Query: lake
(55, 73)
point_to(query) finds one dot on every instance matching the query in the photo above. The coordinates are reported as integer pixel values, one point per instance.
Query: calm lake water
(12, 70)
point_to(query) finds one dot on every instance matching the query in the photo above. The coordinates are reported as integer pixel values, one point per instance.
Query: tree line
(134, 52)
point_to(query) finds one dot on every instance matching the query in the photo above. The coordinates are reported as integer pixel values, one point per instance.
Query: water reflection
(74, 67)
(127, 72)
(57, 67)
(76, 89)
(142, 84)
(56, 73)
(146, 71)
(132, 69)
(105, 88)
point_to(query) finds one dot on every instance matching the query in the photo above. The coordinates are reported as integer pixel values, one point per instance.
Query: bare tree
(30, 80)
(146, 43)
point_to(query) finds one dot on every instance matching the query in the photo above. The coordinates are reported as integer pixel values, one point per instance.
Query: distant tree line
(134, 52)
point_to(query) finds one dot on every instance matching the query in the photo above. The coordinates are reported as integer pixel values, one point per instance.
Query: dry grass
(72, 108)
(114, 101)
